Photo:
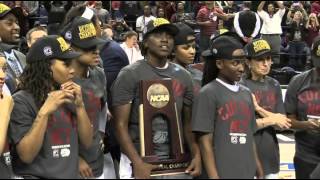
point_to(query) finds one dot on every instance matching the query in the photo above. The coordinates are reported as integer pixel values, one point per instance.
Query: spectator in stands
(207, 19)
(312, 27)
(35, 33)
(23, 22)
(297, 35)
(230, 9)
(142, 22)
(114, 59)
(102, 13)
(120, 27)
(247, 23)
(170, 9)
(131, 47)
(56, 13)
(158, 5)
(181, 16)
(271, 27)
(33, 12)
(107, 32)
(315, 8)
(161, 13)
(131, 11)
(9, 34)
(294, 8)
(43, 15)
(116, 13)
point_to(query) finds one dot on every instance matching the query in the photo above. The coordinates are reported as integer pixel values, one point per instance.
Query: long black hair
(210, 71)
(247, 70)
(37, 79)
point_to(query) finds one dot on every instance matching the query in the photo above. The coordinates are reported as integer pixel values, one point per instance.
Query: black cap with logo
(258, 48)
(184, 32)
(50, 47)
(161, 24)
(81, 33)
(4, 10)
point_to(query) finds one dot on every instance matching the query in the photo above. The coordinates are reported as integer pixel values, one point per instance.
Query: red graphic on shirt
(178, 88)
(196, 89)
(238, 113)
(266, 99)
(60, 126)
(93, 106)
(310, 101)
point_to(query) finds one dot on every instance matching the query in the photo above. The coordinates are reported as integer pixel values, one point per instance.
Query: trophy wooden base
(168, 166)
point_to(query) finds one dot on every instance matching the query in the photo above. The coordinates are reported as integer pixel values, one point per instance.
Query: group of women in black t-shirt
(236, 109)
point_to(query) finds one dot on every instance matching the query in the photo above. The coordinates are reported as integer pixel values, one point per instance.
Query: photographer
(294, 8)
(119, 28)
(297, 36)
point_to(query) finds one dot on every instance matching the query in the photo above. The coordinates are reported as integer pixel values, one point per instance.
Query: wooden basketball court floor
(287, 150)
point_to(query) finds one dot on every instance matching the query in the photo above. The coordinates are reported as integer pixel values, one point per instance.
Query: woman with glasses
(268, 103)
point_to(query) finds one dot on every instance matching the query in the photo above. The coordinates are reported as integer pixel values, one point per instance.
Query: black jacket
(293, 27)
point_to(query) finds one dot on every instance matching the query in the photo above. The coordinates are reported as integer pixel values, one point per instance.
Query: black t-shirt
(126, 88)
(196, 75)
(230, 117)
(58, 156)
(269, 97)
(94, 97)
(302, 99)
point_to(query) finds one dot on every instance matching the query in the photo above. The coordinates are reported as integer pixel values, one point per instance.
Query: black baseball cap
(161, 24)
(258, 48)
(81, 33)
(184, 32)
(315, 52)
(51, 47)
(223, 46)
(4, 10)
